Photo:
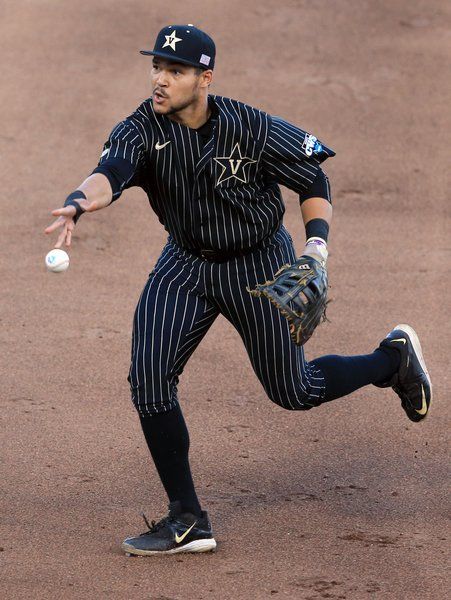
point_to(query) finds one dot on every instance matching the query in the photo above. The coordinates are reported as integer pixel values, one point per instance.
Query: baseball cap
(185, 44)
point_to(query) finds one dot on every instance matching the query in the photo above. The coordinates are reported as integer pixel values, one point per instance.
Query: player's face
(175, 86)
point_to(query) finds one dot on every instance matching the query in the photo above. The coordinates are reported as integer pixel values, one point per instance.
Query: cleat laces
(154, 526)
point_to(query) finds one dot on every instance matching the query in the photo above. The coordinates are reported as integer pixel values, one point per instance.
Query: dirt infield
(347, 501)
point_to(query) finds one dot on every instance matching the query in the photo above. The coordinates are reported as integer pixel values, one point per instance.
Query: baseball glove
(299, 291)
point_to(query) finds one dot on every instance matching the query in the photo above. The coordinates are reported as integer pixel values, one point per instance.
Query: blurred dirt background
(345, 501)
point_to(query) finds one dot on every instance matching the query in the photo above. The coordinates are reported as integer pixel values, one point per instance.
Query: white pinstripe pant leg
(286, 376)
(170, 320)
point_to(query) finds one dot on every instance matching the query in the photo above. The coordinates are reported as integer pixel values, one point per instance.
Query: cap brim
(173, 59)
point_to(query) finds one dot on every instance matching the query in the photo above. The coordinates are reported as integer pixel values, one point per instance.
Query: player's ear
(206, 78)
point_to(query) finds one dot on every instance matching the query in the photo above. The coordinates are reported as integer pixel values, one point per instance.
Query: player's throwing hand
(98, 196)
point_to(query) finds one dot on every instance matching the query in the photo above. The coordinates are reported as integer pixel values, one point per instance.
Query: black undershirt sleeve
(118, 171)
(320, 188)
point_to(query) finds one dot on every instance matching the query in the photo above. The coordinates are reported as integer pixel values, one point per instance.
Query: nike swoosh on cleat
(402, 340)
(159, 146)
(180, 538)
(424, 406)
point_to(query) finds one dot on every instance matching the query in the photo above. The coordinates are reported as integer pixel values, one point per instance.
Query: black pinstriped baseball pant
(180, 301)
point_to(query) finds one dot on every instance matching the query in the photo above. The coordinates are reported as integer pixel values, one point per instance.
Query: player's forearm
(317, 216)
(316, 208)
(97, 190)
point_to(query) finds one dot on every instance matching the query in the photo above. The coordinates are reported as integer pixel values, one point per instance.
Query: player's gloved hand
(299, 291)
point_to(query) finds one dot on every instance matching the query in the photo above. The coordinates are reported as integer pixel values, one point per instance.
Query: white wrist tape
(316, 240)
(316, 245)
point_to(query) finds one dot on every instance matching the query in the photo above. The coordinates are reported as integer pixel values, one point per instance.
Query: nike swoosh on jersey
(159, 146)
(424, 406)
(180, 538)
(104, 153)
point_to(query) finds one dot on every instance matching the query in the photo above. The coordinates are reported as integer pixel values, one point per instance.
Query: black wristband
(317, 228)
(71, 200)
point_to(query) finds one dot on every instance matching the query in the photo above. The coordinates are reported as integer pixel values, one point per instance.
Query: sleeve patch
(311, 145)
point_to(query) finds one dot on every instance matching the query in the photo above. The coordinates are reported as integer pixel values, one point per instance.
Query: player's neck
(193, 116)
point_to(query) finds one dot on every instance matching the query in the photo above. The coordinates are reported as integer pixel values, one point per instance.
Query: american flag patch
(204, 59)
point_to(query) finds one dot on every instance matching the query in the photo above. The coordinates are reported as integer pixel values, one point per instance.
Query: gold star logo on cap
(171, 40)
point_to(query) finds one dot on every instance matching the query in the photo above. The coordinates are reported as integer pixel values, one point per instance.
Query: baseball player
(211, 168)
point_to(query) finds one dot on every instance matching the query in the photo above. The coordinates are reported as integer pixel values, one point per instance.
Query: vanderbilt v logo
(234, 166)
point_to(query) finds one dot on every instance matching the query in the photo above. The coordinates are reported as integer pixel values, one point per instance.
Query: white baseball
(57, 261)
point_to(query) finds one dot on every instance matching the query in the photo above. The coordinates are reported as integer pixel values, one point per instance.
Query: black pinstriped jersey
(222, 194)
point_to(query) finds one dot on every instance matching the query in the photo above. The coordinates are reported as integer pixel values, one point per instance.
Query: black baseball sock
(345, 374)
(168, 441)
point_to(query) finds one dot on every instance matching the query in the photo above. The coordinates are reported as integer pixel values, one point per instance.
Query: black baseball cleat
(412, 382)
(178, 532)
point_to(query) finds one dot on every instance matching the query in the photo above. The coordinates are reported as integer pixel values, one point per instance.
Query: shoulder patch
(317, 148)
(311, 144)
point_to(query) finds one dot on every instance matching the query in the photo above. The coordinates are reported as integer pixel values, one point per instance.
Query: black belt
(220, 256)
